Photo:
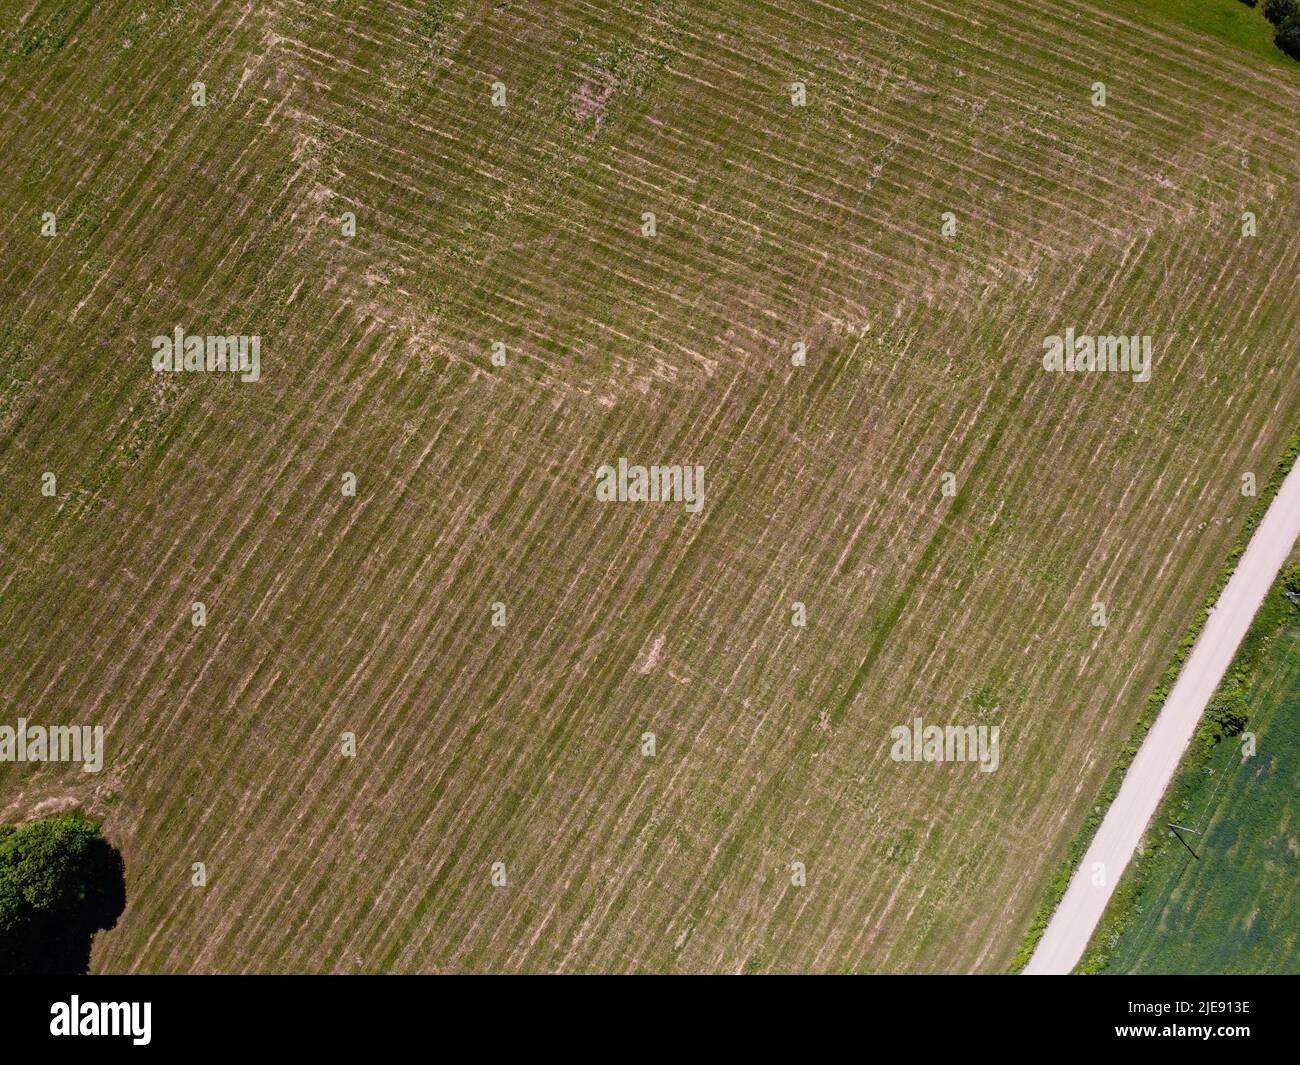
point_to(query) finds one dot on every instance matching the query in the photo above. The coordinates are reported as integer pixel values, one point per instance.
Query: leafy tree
(60, 883)
(1291, 578)
(1287, 38)
(1277, 11)
(1227, 714)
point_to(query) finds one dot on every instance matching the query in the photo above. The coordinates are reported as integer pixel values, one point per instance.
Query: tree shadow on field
(60, 883)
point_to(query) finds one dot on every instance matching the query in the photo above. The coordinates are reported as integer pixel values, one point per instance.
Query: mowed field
(475, 483)
(1233, 907)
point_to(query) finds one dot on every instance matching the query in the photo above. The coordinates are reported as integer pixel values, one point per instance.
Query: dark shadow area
(60, 883)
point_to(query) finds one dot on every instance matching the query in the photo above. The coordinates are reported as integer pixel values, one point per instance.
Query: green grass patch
(1229, 20)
